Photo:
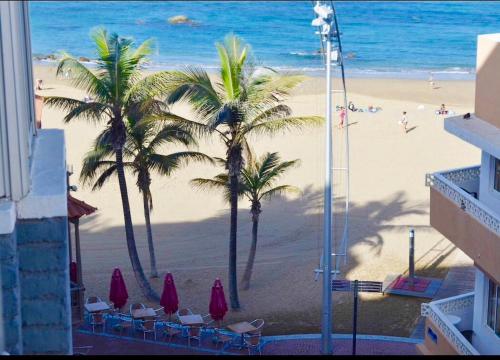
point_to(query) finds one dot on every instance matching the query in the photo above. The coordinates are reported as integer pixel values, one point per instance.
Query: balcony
(458, 214)
(442, 337)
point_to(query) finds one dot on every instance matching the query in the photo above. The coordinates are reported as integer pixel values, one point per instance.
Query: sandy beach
(191, 227)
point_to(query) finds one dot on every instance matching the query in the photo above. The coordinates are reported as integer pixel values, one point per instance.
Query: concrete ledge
(475, 131)
(47, 197)
(342, 337)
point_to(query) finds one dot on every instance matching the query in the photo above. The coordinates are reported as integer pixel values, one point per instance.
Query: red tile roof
(78, 208)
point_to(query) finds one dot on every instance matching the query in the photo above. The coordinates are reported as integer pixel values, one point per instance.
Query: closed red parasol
(218, 305)
(169, 299)
(118, 294)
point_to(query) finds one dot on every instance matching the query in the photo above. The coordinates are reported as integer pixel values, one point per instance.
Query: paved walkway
(342, 345)
(110, 344)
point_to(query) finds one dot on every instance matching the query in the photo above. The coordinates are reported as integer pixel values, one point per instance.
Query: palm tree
(118, 91)
(144, 138)
(239, 104)
(258, 182)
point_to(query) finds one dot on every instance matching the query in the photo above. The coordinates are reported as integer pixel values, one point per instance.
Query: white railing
(448, 183)
(438, 310)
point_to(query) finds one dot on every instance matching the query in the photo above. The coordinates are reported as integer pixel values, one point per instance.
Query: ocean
(394, 39)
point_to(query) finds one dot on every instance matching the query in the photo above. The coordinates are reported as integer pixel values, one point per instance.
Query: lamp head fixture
(318, 22)
(323, 11)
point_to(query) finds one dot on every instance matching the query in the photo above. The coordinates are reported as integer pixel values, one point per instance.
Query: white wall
(487, 194)
(485, 340)
(17, 115)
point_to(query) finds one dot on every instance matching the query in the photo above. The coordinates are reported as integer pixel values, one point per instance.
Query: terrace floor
(133, 344)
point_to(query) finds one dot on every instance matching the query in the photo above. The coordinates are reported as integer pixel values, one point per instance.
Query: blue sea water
(383, 38)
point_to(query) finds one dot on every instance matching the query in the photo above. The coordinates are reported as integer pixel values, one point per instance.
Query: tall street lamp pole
(325, 22)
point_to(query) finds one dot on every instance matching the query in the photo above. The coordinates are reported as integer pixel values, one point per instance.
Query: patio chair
(170, 331)
(96, 319)
(158, 310)
(183, 312)
(135, 307)
(91, 300)
(258, 324)
(194, 332)
(252, 341)
(124, 322)
(208, 322)
(160, 315)
(222, 337)
(148, 326)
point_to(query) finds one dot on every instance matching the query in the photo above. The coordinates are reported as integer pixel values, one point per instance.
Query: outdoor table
(98, 306)
(142, 313)
(193, 319)
(242, 328)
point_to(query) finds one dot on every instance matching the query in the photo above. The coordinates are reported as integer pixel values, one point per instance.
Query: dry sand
(388, 194)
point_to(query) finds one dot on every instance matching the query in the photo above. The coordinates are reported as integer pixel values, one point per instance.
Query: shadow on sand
(283, 290)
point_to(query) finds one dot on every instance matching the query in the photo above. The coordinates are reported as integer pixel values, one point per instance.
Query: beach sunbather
(351, 106)
(442, 110)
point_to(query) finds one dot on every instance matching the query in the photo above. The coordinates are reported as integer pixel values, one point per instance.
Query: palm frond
(279, 111)
(259, 176)
(268, 162)
(219, 182)
(271, 89)
(284, 124)
(76, 109)
(269, 176)
(195, 86)
(279, 190)
(195, 128)
(104, 177)
(166, 164)
(100, 38)
(171, 133)
(232, 56)
(83, 78)
(143, 50)
(93, 162)
(151, 86)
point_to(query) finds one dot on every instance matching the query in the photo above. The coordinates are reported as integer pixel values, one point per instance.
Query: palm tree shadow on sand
(289, 248)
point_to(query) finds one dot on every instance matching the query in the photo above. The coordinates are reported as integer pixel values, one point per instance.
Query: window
(493, 319)
(496, 175)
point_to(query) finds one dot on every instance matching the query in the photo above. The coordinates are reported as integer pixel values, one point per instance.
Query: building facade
(35, 316)
(465, 208)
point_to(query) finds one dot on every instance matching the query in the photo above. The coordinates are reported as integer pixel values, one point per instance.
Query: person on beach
(39, 84)
(431, 81)
(443, 110)
(342, 117)
(404, 121)
(351, 106)
(67, 74)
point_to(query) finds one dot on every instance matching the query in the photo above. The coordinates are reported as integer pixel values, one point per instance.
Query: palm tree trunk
(152, 258)
(233, 279)
(245, 281)
(129, 232)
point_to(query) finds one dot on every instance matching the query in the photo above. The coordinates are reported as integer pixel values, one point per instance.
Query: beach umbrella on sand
(218, 305)
(169, 299)
(118, 294)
